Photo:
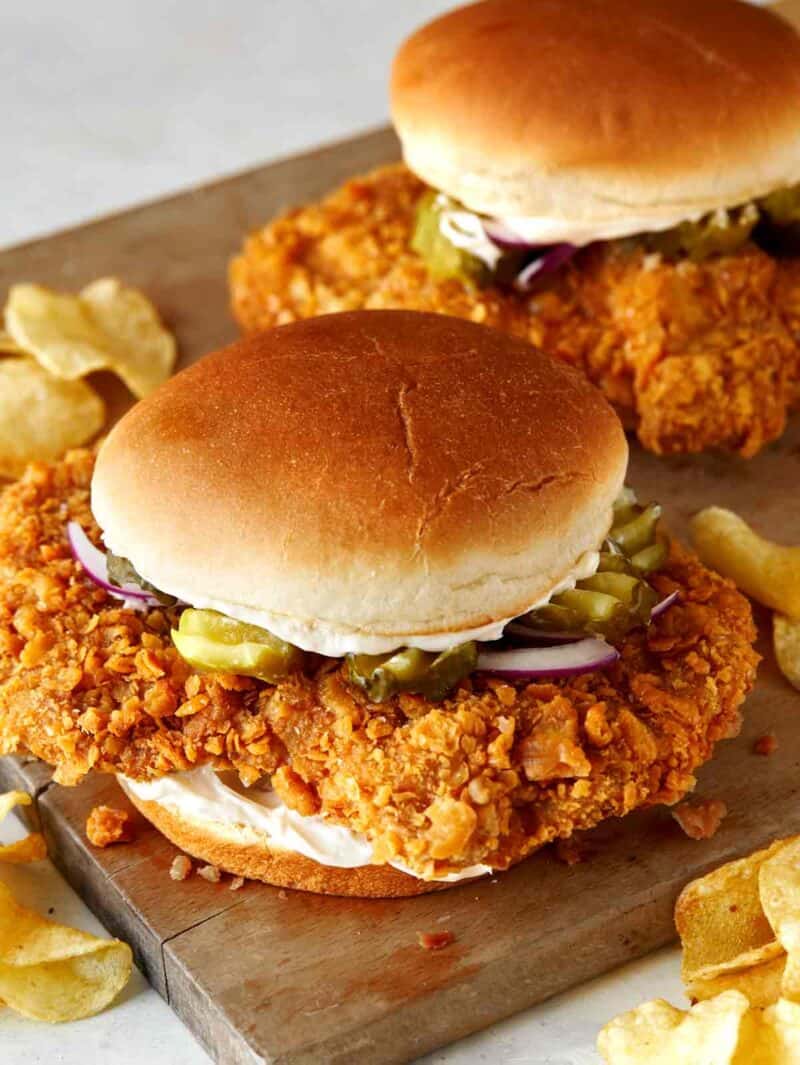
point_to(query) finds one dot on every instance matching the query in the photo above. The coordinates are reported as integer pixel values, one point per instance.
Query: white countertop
(106, 105)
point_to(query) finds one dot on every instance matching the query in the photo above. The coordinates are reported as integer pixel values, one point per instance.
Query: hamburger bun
(591, 110)
(242, 851)
(364, 476)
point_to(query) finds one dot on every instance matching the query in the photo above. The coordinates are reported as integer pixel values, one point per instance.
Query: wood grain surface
(262, 975)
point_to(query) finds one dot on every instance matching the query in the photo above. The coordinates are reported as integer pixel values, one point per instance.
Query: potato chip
(780, 1036)
(41, 416)
(108, 326)
(659, 1034)
(30, 849)
(767, 571)
(786, 640)
(779, 884)
(10, 799)
(759, 983)
(54, 973)
(9, 346)
(144, 351)
(720, 919)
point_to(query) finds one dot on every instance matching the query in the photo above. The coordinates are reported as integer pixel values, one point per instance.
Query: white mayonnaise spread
(203, 795)
(465, 230)
(324, 638)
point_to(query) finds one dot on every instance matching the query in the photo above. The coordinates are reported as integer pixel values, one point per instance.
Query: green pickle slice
(718, 233)
(412, 670)
(211, 641)
(616, 598)
(443, 259)
(782, 206)
(121, 571)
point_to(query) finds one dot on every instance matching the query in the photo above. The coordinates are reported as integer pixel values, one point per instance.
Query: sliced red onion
(564, 660)
(665, 604)
(504, 237)
(94, 563)
(548, 262)
(520, 631)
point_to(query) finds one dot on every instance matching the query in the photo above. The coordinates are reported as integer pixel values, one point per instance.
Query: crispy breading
(490, 774)
(106, 825)
(694, 355)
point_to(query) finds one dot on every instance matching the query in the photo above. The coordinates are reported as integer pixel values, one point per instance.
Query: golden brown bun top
(385, 472)
(594, 107)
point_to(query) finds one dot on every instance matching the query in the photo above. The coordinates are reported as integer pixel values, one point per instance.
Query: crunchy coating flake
(106, 825)
(694, 355)
(701, 819)
(489, 775)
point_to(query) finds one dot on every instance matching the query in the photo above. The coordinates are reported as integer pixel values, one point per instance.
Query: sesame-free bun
(243, 851)
(376, 474)
(590, 110)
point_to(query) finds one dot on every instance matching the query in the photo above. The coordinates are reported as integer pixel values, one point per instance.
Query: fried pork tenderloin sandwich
(616, 182)
(362, 605)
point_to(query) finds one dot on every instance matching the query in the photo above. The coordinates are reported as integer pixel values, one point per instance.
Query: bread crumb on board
(435, 940)
(106, 825)
(181, 868)
(701, 819)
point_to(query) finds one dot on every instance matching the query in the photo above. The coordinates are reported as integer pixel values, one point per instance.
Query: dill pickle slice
(121, 571)
(637, 533)
(211, 641)
(635, 594)
(601, 613)
(651, 558)
(620, 585)
(718, 233)
(615, 562)
(443, 259)
(782, 206)
(555, 618)
(412, 670)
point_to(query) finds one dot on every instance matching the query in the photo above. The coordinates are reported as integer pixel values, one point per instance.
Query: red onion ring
(520, 631)
(549, 261)
(95, 566)
(665, 604)
(563, 660)
(504, 237)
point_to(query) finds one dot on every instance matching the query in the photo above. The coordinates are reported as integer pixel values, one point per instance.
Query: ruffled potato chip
(721, 920)
(722, 1030)
(54, 973)
(108, 326)
(659, 1034)
(779, 885)
(144, 352)
(30, 849)
(760, 983)
(9, 346)
(786, 640)
(42, 416)
(776, 1038)
(767, 571)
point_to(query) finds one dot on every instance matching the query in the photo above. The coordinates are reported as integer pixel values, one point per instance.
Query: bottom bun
(243, 852)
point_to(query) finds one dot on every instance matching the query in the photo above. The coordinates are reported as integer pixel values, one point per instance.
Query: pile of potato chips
(47, 971)
(50, 343)
(764, 570)
(740, 931)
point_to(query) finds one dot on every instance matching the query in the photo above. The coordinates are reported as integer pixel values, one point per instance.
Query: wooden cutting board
(262, 975)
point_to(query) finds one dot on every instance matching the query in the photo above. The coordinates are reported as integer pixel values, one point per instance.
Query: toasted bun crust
(245, 852)
(592, 109)
(385, 473)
